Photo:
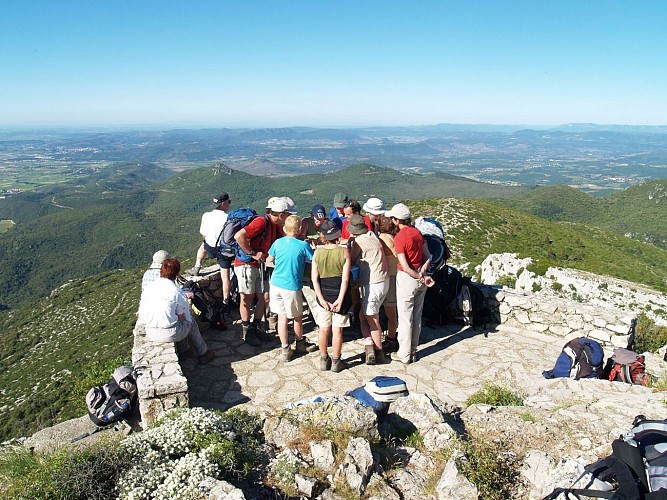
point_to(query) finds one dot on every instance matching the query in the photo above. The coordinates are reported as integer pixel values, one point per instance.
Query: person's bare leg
(298, 327)
(226, 284)
(323, 341)
(283, 331)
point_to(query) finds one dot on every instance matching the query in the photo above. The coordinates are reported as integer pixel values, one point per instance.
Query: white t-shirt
(161, 303)
(211, 225)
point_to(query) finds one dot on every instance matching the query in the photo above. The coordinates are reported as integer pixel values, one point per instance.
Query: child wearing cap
(289, 255)
(330, 275)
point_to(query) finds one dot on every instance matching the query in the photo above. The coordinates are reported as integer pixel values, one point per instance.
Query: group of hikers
(346, 264)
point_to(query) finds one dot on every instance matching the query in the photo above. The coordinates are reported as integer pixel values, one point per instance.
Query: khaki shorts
(321, 316)
(372, 297)
(288, 302)
(250, 280)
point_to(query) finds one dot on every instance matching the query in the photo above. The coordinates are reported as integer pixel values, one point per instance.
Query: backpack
(237, 220)
(580, 358)
(455, 299)
(627, 366)
(115, 400)
(636, 468)
(205, 305)
(434, 235)
(365, 398)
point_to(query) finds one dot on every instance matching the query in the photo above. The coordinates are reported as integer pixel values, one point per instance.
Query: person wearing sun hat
(374, 208)
(153, 272)
(255, 239)
(367, 252)
(411, 282)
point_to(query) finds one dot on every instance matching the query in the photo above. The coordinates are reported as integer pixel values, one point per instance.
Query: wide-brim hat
(374, 206)
(357, 225)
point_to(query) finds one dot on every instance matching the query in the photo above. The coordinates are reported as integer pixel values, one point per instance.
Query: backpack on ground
(580, 358)
(205, 305)
(434, 235)
(455, 299)
(636, 468)
(237, 220)
(386, 389)
(115, 400)
(367, 399)
(627, 366)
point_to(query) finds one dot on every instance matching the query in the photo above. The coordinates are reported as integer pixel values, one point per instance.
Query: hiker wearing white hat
(411, 282)
(374, 208)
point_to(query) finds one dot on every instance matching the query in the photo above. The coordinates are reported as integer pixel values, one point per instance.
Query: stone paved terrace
(453, 363)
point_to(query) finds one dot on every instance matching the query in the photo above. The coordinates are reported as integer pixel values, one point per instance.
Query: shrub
(537, 267)
(91, 473)
(495, 395)
(489, 466)
(536, 287)
(506, 280)
(557, 286)
(649, 337)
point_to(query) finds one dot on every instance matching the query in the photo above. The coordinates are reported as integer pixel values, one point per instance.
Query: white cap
(158, 258)
(278, 205)
(398, 211)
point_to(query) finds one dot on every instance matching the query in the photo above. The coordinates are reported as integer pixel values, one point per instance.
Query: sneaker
(249, 337)
(302, 346)
(325, 363)
(390, 345)
(286, 354)
(370, 354)
(206, 357)
(396, 357)
(337, 365)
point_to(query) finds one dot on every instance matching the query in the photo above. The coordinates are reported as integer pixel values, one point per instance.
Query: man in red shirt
(255, 239)
(352, 207)
(411, 282)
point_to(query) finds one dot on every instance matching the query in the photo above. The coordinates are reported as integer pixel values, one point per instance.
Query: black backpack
(455, 299)
(115, 400)
(636, 468)
(206, 306)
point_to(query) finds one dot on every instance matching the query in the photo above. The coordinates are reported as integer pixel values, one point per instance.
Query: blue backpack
(237, 220)
(580, 358)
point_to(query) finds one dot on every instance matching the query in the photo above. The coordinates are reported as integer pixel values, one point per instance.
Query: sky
(335, 63)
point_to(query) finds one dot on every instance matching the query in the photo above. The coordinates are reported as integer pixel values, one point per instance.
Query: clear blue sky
(236, 63)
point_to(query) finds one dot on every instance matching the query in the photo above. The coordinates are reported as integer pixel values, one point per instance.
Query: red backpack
(627, 366)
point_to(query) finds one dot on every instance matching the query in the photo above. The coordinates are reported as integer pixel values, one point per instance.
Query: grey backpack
(115, 400)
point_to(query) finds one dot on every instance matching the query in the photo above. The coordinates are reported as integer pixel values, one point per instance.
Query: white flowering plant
(187, 445)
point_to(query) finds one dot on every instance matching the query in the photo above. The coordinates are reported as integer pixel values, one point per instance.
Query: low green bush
(649, 337)
(495, 395)
(506, 280)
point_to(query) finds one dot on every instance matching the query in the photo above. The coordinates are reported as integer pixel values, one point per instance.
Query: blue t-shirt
(290, 257)
(335, 218)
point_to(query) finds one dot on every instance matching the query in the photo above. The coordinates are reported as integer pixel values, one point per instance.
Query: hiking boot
(325, 363)
(397, 357)
(379, 356)
(206, 357)
(302, 346)
(370, 354)
(390, 345)
(249, 337)
(286, 354)
(194, 271)
(337, 365)
(262, 334)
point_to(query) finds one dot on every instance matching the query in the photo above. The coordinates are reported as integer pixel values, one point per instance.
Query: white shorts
(287, 302)
(325, 318)
(250, 280)
(372, 297)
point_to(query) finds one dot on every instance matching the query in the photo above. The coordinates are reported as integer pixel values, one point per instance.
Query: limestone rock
(323, 454)
(217, 489)
(358, 463)
(453, 484)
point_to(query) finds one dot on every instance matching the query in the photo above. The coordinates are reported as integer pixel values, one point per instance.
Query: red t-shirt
(345, 234)
(255, 230)
(409, 241)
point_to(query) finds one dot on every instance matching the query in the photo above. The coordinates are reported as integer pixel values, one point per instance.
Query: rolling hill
(638, 211)
(113, 221)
